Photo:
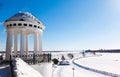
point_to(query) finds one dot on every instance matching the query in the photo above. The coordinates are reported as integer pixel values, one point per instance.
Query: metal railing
(33, 58)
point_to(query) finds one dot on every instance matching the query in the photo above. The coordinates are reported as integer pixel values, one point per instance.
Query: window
(7, 25)
(30, 25)
(22, 20)
(38, 22)
(19, 24)
(14, 24)
(6, 20)
(25, 24)
(10, 24)
(35, 26)
(40, 27)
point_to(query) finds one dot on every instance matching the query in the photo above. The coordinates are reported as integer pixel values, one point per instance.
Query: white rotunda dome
(23, 16)
(23, 20)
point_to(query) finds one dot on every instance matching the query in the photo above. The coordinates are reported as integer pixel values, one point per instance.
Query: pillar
(15, 44)
(40, 42)
(22, 42)
(26, 45)
(35, 42)
(9, 44)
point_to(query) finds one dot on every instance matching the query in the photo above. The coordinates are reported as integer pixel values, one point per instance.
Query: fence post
(49, 57)
(33, 58)
(43, 57)
(11, 67)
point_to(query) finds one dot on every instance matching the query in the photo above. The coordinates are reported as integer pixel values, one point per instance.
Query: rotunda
(23, 24)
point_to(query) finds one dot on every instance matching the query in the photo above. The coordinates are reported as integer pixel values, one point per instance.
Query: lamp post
(73, 71)
(52, 69)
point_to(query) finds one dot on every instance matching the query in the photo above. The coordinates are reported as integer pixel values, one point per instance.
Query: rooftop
(23, 16)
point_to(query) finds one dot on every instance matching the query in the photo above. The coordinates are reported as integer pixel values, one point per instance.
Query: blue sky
(70, 24)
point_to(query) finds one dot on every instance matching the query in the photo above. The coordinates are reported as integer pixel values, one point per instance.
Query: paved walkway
(4, 70)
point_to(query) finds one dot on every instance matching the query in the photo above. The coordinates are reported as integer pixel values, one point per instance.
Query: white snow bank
(22, 69)
(44, 68)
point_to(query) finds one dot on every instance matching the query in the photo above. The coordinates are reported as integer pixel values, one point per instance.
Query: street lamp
(52, 69)
(73, 71)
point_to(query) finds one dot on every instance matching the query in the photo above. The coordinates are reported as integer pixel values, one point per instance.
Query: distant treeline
(104, 51)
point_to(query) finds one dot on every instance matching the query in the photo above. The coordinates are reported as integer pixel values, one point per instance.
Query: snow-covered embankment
(22, 69)
(107, 64)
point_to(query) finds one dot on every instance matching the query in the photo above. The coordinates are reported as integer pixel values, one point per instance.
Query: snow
(66, 71)
(44, 68)
(22, 69)
(109, 62)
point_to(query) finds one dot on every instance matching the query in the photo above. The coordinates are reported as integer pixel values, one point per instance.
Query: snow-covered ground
(44, 68)
(22, 69)
(66, 71)
(109, 62)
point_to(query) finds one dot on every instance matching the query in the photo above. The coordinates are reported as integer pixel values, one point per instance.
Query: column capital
(40, 32)
(36, 31)
(23, 30)
(9, 30)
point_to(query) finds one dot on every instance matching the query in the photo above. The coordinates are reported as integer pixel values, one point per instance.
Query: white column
(9, 44)
(22, 42)
(26, 44)
(35, 42)
(15, 44)
(40, 42)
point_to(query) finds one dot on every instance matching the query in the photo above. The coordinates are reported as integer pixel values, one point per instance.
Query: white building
(23, 24)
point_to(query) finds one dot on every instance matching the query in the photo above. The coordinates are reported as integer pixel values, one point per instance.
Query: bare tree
(70, 55)
(62, 58)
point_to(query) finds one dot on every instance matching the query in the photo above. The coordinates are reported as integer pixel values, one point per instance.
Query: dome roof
(23, 16)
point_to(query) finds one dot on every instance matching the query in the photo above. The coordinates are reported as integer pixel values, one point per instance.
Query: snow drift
(22, 69)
